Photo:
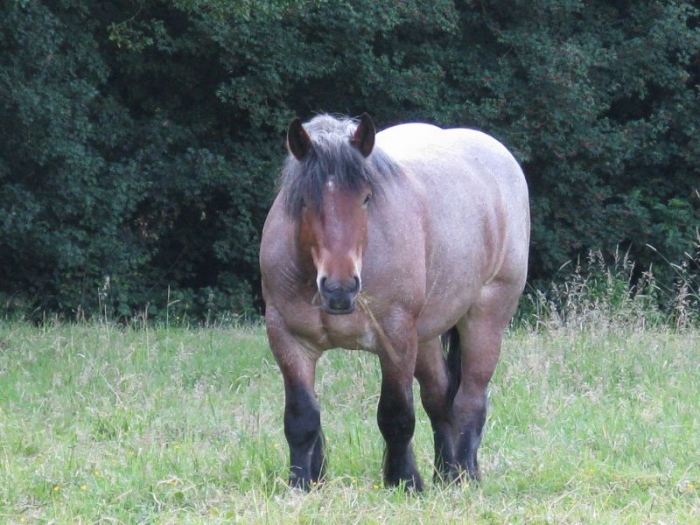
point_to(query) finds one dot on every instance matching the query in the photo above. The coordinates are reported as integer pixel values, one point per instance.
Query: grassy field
(100, 424)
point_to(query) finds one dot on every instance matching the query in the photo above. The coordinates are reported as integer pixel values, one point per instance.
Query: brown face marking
(335, 237)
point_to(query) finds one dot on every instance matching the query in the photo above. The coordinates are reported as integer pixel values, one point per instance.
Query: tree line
(140, 140)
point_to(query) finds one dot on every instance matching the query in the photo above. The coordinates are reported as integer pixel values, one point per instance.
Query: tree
(141, 139)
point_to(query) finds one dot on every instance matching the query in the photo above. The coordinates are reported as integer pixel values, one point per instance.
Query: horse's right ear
(298, 140)
(363, 139)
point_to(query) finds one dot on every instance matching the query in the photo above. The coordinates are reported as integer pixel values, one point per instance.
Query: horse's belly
(442, 310)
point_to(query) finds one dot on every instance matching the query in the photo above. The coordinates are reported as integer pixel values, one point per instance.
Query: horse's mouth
(337, 306)
(339, 311)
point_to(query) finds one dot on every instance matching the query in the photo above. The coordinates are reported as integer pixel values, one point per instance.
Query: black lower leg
(318, 460)
(470, 440)
(439, 373)
(446, 467)
(302, 428)
(396, 421)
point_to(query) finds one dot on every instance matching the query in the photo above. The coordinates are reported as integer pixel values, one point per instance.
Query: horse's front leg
(302, 428)
(302, 416)
(395, 414)
(438, 384)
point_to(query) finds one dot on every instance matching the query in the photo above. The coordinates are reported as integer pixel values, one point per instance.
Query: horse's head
(333, 213)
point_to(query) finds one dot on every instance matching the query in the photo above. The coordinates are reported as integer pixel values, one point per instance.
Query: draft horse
(389, 242)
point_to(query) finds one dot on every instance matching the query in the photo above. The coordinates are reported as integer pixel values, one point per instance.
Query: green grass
(106, 425)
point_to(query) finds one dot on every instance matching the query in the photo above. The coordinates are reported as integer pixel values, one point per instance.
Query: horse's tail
(453, 358)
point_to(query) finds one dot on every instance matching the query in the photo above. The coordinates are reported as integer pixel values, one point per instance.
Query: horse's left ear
(298, 140)
(363, 139)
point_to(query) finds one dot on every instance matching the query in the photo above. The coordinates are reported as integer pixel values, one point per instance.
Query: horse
(411, 243)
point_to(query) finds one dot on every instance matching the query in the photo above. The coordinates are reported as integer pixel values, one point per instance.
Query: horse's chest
(350, 334)
(324, 331)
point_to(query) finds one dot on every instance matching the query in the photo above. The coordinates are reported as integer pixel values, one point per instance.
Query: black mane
(331, 154)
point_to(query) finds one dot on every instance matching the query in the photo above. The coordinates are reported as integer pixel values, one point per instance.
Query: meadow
(102, 424)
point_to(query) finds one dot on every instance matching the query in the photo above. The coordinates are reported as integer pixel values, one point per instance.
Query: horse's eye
(367, 199)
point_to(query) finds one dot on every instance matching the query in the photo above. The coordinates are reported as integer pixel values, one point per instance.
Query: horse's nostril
(322, 284)
(357, 284)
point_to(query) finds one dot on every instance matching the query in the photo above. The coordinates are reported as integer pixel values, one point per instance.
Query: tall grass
(596, 293)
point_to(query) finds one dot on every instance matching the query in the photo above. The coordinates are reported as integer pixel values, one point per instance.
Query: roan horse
(388, 243)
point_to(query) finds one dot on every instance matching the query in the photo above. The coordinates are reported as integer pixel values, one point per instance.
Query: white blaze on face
(322, 271)
(339, 254)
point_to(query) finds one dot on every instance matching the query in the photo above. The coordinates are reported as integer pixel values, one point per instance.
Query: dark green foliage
(123, 184)
(140, 140)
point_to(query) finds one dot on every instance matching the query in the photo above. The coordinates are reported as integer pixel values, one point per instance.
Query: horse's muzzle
(338, 297)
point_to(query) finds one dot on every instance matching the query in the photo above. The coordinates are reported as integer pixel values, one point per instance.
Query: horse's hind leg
(481, 335)
(437, 389)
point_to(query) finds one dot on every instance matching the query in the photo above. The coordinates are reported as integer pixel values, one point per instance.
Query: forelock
(330, 155)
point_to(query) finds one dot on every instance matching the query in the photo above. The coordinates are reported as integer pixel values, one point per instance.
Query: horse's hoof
(413, 484)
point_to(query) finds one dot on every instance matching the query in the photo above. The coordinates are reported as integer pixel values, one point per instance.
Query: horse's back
(476, 208)
(458, 170)
(470, 152)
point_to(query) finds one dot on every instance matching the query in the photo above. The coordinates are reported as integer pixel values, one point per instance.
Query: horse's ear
(363, 139)
(298, 140)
